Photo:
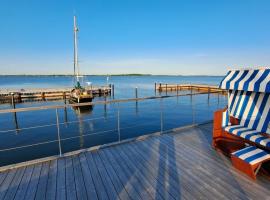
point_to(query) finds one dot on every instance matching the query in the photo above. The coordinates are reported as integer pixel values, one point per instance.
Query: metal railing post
(161, 116)
(58, 132)
(118, 123)
(193, 111)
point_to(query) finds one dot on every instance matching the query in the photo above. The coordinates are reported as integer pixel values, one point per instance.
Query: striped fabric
(252, 108)
(252, 155)
(256, 80)
(249, 134)
(225, 119)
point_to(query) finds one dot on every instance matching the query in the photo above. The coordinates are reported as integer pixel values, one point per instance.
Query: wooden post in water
(208, 93)
(177, 90)
(13, 101)
(136, 92)
(15, 114)
(19, 97)
(99, 92)
(43, 96)
(112, 90)
(64, 97)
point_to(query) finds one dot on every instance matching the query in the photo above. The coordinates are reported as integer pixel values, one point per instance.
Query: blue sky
(134, 36)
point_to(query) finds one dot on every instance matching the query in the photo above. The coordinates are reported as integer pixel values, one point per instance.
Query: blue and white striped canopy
(253, 80)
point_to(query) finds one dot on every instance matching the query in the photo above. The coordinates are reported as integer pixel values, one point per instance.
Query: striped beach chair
(246, 120)
(249, 160)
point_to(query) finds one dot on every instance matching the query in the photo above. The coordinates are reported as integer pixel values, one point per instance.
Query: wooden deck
(177, 87)
(172, 166)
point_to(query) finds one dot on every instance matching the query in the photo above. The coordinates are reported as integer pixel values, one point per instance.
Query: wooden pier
(179, 165)
(40, 94)
(177, 87)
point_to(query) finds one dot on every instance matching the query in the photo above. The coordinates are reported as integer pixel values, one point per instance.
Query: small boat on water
(78, 94)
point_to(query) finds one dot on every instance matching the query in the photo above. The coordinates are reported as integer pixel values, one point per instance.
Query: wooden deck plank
(2, 177)
(70, 180)
(15, 184)
(20, 194)
(101, 191)
(215, 159)
(186, 161)
(126, 182)
(175, 178)
(42, 184)
(104, 177)
(90, 187)
(32, 188)
(144, 177)
(130, 174)
(205, 173)
(5, 184)
(190, 181)
(80, 186)
(61, 179)
(120, 188)
(52, 180)
(215, 168)
(163, 184)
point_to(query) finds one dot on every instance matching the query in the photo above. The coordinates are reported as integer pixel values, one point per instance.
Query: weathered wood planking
(182, 165)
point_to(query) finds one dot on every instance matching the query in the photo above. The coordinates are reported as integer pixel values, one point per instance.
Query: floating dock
(182, 165)
(162, 87)
(41, 94)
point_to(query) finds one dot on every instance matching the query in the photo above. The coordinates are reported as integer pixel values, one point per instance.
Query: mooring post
(13, 101)
(99, 92)
(19, 97)
(43, 96)
(177, 90)
(105, 107)
(64, 97)
(136, 92)
(113, 90)
(166, 87)
(208, 93)
(58, 132)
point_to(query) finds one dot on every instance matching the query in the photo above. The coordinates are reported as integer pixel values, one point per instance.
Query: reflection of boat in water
(83, 110)
(78, 94)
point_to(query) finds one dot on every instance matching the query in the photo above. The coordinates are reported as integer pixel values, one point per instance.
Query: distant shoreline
(69, 75)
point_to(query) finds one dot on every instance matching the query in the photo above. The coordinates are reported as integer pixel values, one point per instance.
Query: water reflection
(80, 112)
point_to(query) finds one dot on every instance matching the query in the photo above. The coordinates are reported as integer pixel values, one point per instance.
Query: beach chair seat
(249, 160)
(249, 135)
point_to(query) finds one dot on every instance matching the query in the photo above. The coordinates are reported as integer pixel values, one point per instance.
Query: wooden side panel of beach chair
(223, 141)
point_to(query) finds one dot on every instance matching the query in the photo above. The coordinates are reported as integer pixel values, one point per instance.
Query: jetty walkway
(178, 165)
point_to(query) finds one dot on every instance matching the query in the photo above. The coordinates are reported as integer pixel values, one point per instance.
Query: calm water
(99, 124)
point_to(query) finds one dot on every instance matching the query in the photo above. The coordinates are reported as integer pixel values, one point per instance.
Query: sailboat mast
(76, 67)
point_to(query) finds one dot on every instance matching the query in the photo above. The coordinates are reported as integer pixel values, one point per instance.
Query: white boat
(78, 94)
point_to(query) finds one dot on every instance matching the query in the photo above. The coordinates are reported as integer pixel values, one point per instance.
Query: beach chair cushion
(252, 155)
(249, 134)
(252, 108)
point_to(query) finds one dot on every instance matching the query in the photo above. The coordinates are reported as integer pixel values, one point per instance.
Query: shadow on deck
(173, 166)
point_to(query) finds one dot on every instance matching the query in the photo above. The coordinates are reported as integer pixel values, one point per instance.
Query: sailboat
(78, 94)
